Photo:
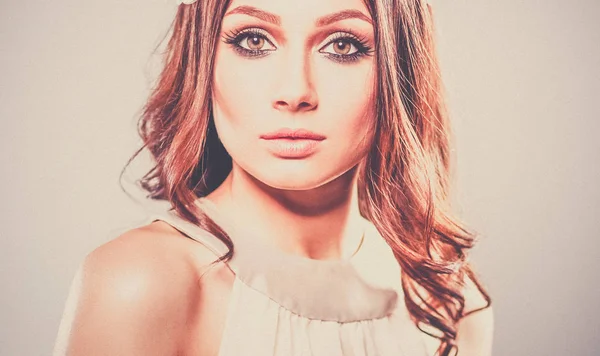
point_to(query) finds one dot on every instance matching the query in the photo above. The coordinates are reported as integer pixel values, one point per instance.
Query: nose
(295, 90)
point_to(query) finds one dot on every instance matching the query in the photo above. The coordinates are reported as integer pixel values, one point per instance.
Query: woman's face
(295, 65)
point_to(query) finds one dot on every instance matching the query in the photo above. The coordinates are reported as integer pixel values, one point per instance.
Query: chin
(295, 174)
(292, 181)
(300, 183)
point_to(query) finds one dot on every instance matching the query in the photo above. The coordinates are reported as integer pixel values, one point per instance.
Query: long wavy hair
(403, 182)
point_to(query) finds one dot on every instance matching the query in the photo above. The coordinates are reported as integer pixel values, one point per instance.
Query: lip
(295, 134)
(292, 148)
(289, 143)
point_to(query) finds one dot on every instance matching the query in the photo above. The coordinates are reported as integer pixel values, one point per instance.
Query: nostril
(304, 104)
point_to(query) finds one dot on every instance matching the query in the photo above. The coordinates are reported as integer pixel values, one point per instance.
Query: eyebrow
(254, 12)
(321, 21)
(342, 15)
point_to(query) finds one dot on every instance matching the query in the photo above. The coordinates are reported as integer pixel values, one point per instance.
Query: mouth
(292, 144)
(292, 148)
(293, 134)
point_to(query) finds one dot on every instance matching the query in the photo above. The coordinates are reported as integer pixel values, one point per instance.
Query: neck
(319, 223)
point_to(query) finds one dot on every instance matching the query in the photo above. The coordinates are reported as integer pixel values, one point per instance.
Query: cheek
(239, 87)
(347, 98)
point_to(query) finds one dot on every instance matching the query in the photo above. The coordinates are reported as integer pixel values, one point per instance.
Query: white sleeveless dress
(289, 305)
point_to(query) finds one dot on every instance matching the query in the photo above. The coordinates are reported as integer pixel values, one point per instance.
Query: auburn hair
(403, 183)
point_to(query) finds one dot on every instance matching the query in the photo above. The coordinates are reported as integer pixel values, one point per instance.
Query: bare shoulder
(135, 295)
(149, 264)
(155, 252)
(475, 331)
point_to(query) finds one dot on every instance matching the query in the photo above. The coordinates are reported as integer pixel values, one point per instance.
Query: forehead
(298, 10)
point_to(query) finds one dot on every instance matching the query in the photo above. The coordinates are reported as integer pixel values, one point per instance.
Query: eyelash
(362, 49)
(235, 37)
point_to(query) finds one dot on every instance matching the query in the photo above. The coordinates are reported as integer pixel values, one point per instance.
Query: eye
(342, 47)
(250, 42)
(255, 42)
(345, 47)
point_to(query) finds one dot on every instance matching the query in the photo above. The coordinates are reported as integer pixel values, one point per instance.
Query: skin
(298, 81)
(141, 293)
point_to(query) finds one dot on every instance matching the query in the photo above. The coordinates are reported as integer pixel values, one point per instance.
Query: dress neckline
(340, 290)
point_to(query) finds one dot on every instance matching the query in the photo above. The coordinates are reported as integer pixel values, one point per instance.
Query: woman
(304, 148)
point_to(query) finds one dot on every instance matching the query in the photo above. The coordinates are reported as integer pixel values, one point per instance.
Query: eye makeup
(241, 40)
(359, 44)
(235, 38)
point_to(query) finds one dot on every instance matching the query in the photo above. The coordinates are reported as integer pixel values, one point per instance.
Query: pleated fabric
(288, 305)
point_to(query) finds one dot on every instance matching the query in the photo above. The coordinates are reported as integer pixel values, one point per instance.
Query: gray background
(523, 85)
